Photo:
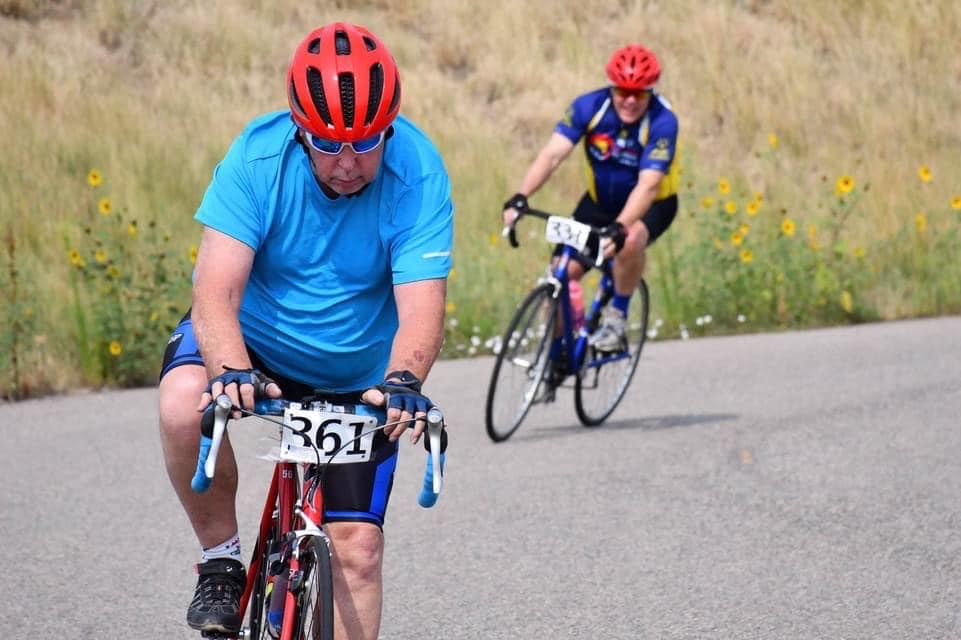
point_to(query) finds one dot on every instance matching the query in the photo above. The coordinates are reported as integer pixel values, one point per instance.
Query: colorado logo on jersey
(600, 146)
(624, 150)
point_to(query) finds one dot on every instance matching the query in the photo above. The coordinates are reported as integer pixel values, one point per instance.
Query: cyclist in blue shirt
(630, 144)
(323, 262)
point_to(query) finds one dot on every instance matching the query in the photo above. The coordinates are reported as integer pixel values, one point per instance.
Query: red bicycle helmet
(343, 83)
(633, 67)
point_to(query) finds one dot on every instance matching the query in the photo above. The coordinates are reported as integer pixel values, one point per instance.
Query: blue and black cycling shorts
(657, 219)
(356, 492)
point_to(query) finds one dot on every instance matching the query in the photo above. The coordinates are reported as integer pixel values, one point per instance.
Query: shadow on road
(649, 423)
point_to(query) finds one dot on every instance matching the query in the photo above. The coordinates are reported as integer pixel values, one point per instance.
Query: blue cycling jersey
(319, 305)
(617, 152)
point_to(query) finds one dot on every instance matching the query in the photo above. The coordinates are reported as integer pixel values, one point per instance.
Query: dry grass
(151, 93)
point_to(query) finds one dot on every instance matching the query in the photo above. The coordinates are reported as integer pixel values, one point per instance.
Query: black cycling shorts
(356, 492)
(657, 219)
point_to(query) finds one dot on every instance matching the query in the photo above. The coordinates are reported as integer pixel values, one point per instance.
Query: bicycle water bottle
(278, 598)
(577, 303)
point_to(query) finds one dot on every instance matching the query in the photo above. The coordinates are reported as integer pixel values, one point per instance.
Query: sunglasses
(333, 147)
(637, 94)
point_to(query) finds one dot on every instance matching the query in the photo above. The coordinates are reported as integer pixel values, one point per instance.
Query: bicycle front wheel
(521, 362)
(604, 378)
(312, 585)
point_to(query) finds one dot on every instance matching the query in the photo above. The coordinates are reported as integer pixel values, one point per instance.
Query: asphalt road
(796, 485)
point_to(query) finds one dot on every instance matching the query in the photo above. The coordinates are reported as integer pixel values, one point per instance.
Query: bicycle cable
(322, 465)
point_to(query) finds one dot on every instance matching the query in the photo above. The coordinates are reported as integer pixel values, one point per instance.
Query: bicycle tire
(531, 326)
(594, 408)
(313, 617)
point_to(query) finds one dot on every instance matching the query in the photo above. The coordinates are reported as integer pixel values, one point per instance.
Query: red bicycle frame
(285, 493)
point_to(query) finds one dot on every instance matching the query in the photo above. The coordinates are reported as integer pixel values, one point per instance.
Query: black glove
(243, 376)
(402, 389)
(616, 233)
(517, 201)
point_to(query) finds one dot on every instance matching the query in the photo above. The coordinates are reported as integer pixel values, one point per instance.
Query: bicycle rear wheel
(604, 378)
(521, 362)
(313, 617)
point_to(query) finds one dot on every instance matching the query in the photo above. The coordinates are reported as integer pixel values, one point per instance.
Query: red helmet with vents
(343, 84)
(633, 67)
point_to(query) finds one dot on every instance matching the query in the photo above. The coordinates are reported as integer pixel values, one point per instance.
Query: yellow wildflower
(105, 206)
(115, 348)
(845, 184)
(94, 178)
(956, 203)
(451, 307)
(452, 274)
(737, 239)
(723, 186)
(746, 256)
(76, 259)
(753, 207)
(921, 222)
(707, 202)
(772, 140)
(154, 316)
(100, 256)
(492, 240)
(193, 254)
(847, 302)
(924, 172)
(787, 227)
(859, 252)
(132, 229)
(744, 228)
(730, 207)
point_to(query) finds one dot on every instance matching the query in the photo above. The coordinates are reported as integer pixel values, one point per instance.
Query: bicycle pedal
(546, 395)
(219, 635)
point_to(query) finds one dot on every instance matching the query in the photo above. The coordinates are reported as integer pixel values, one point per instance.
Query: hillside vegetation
(829, 128)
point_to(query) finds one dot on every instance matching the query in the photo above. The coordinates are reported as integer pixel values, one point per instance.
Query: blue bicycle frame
(575, 345)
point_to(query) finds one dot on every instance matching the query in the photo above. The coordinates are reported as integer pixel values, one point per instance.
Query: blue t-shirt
(618, 152)
(319, 304)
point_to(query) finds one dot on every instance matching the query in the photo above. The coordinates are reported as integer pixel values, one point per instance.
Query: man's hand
(243, 386)
(515, 205)
(616, 235)
(400, 394)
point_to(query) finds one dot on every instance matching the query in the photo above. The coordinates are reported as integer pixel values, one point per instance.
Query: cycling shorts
(657, 219)
(356, 492)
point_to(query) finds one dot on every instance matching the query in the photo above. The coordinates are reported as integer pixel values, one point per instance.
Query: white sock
(229, 548)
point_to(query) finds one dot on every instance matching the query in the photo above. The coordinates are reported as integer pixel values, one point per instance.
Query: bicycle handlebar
(214, 425)
(509, 232)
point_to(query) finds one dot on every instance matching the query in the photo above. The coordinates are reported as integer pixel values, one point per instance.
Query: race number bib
(340, 438)
(567, 231)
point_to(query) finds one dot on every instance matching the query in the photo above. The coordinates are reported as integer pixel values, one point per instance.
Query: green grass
(151, 94)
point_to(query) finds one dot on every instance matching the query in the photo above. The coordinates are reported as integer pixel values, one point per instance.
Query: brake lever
(222, 407)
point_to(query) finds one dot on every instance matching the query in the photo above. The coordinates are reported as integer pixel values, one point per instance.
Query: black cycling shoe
(216, 603)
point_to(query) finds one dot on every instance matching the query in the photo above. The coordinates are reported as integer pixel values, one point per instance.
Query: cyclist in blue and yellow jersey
(327, 235)
(630, 143)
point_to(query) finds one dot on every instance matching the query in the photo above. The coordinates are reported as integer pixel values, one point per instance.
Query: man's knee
(358, 548)
(179, 394)
(635, 244)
